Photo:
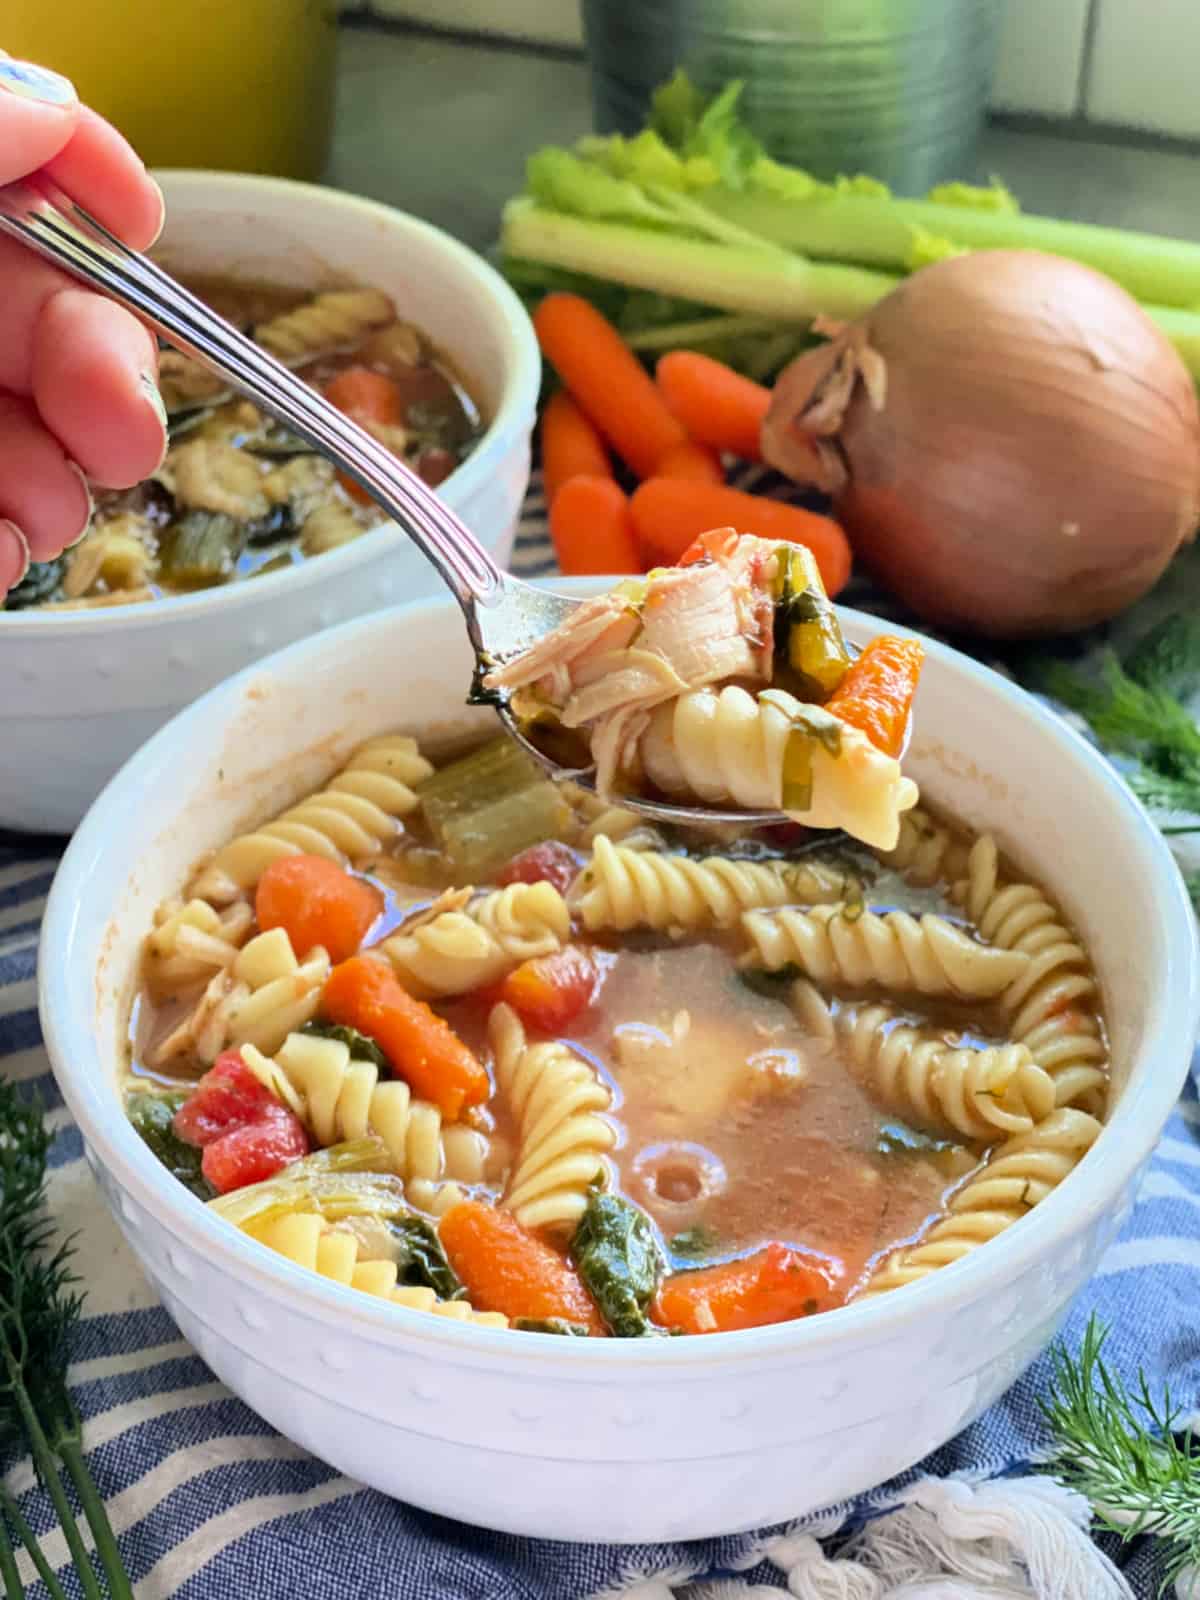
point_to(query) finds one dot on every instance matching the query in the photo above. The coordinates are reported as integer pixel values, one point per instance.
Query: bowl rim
(1128, 1136)
(513, 415)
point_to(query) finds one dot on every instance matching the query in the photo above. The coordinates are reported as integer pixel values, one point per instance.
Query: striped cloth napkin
(207, 1501)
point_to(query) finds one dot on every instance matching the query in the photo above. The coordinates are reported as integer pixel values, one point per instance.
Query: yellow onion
(1011, 444)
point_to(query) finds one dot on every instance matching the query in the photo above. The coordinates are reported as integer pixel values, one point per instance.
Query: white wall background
(1132, 63)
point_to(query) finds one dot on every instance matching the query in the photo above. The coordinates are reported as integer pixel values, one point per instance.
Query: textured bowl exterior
(86, 689)
(595, 1439)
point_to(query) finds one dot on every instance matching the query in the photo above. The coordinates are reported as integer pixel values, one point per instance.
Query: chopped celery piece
(489, 806)
(346, 1180)
(808, 731)
(807, 627)
(200, 549)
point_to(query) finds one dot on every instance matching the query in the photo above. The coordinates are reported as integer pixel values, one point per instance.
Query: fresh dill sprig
(1123, 1452)
(1135, 718)
(39, 1305)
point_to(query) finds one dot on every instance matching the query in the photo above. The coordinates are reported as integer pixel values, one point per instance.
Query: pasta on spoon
(726, 680)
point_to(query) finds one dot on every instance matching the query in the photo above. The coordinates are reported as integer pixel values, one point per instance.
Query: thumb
(38, 113)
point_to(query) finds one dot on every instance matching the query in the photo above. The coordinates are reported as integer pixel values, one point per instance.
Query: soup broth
(237, 494)
(616, 1080)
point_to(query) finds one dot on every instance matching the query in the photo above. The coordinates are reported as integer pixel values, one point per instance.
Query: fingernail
(28, 82)
(14, 556)
(88, 502)
(149, 387)
(162, 212)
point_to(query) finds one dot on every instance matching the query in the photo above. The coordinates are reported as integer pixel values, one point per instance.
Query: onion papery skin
(1029, 460)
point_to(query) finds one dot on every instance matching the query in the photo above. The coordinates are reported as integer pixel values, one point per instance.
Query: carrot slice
(670, 514)
(774, 1284)
(716, 405)
(571, 447)
(695, 461)
(365, 395)
(422, 1047)
(316, 903)
(507, 1268)
(607, 381)
(876, 693)
(592, 530)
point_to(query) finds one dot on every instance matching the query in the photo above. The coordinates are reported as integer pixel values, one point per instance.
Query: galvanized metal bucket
(893, 88)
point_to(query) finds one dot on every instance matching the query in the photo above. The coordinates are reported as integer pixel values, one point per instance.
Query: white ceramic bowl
(84, 689)
(606, 1439)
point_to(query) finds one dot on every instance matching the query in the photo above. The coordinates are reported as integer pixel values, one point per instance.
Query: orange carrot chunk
(775, 1284)
(716, 405)
(592, 530)
(422, 1047)
(365, 395)
(670, 514)
(571, 447)
(695, 461)
(607, 381)
(506, 1267)
(316, 903)
(876, 694)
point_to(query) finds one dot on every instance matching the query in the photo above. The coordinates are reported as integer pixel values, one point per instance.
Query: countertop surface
(441, 127)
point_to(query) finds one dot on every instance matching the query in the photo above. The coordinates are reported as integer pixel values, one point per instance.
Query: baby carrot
(592, 529)
(508, 1268)
(571, 447)
(422, 1047)
(670, 514)
(716, 405)
(876, 693)
(317, 904)
(690, 460)
(775, 1284)
(607, 381)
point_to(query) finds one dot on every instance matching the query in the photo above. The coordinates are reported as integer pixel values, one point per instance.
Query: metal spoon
(503, 615)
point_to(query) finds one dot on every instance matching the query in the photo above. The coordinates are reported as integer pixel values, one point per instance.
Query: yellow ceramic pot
(240, 85)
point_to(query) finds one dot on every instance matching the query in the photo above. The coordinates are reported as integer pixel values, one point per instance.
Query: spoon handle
(47, 221)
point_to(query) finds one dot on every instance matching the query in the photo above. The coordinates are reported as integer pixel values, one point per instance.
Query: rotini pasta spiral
(556, 1101)
(261, 998)
(926, 851)
(341, 317)
(728, 745)
(334, 1252)
(1020, 1174)
(339, 1099)
(461, 950)
(944, 1088)
(348, 820)
(622, 888)
(1052, 1004)
(190, 942)
(842, 945)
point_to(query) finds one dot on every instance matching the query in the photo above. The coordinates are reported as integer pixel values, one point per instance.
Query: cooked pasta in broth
(238, 495)
(497, 1050)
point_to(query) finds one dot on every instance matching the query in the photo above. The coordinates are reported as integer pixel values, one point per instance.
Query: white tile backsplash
(1143, 66)
(1041, 56)
(1140, 68)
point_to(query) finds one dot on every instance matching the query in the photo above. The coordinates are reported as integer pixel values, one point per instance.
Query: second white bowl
(83, 689)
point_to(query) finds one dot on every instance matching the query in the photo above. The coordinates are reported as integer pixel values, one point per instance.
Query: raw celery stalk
(766, 282)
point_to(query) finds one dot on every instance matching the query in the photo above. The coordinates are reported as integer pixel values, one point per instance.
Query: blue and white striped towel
(207, 1501)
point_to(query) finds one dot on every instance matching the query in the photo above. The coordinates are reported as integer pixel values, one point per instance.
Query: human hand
(78, 391)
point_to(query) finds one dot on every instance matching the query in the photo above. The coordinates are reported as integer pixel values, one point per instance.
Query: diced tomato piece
(550, 991)
(256, 1151)
(227, 1096)
(549, 862)
(775, 1284)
